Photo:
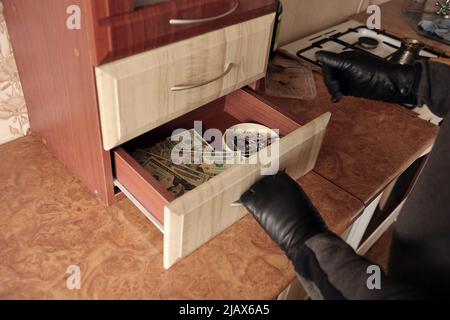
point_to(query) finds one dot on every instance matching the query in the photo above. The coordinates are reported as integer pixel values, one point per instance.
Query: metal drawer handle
(193, 21)
(201, 84)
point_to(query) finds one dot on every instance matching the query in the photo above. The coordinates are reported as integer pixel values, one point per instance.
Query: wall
(304, 17)
(13, 112)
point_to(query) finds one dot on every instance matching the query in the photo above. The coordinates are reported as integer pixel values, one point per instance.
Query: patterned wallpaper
(13, 112)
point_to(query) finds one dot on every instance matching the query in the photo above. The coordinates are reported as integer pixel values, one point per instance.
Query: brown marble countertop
(50, 221)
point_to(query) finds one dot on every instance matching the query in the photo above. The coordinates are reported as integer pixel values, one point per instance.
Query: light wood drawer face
(192, 219)
(142, 92)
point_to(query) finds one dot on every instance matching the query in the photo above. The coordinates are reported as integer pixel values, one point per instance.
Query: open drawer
(200, 214)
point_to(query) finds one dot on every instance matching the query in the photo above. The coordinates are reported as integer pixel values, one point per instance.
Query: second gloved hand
(283, 209)
(360, 74)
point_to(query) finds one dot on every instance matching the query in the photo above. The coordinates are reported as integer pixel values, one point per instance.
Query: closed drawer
(142, 92)
(125, 27)
(195, 217)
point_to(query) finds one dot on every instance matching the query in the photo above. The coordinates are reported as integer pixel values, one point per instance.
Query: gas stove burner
(368, 43)
(350, 35)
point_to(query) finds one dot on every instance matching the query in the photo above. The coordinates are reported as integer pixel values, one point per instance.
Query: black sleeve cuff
(433, 89)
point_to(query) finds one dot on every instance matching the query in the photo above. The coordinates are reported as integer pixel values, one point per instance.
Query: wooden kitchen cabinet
(129, 77)
(57, 71)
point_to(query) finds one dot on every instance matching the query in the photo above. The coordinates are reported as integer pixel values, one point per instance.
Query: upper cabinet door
(125, 27)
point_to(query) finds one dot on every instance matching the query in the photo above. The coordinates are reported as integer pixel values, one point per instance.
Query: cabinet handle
(194, 21)
(201, 84)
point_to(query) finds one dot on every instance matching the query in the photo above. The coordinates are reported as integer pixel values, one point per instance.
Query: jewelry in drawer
(192, 204)
(144, 91)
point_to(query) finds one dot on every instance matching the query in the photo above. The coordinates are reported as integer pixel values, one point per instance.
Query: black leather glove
(360, 74)
(283, 209)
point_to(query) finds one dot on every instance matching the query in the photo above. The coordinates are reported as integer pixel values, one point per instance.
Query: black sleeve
(434, 87)
(330, 269)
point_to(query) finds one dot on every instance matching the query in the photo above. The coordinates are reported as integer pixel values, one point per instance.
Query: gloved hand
(360, 74)
(283, 209)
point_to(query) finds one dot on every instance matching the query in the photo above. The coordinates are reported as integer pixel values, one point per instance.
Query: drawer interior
(238, 107)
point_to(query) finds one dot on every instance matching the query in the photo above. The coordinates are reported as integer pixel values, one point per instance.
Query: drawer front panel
(121, 30)
(204, 212)
(142, 92)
